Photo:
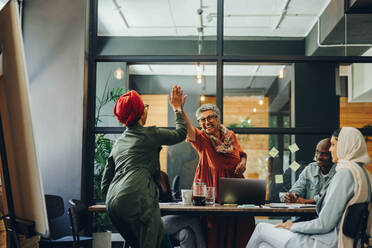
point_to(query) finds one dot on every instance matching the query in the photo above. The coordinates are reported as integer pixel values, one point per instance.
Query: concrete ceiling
(249, 78)
(244, 20)
(336, 28)
(206, 69)
(274, 18)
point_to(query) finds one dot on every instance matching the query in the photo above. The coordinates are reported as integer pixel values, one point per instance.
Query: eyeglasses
(208, 118)
(147, 106)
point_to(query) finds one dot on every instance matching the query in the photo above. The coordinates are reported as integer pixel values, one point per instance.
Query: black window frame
(93, 58)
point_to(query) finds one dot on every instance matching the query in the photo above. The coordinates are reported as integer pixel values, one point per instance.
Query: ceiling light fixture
(199, 73)
(119, 73)
(199, 79)
(118, 8)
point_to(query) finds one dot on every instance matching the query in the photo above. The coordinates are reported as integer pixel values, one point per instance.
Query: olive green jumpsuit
(132, 198)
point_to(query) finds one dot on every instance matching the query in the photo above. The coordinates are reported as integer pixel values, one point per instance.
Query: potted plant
(102, 237)
(101, 223)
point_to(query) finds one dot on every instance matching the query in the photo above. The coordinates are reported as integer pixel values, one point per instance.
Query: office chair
(355, 224)
(78, 214)
(55, 209)
(176, 191)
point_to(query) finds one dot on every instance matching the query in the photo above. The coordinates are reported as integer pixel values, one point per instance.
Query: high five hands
(175, 99)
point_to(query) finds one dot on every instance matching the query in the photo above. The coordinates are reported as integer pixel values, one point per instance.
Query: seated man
(315, 178)
(184, 230)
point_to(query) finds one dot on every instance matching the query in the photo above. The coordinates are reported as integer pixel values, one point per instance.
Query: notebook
(291, 205)
(241, 191)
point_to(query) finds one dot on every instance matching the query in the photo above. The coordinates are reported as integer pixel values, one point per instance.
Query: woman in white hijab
(349, 186)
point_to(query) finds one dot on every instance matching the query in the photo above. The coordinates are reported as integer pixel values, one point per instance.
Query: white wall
(362, 81)
(54, 33)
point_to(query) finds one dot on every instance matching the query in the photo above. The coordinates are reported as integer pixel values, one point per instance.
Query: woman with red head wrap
(129, 177)
(129, 108)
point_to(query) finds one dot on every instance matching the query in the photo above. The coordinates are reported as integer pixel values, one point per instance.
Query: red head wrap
(129, 108)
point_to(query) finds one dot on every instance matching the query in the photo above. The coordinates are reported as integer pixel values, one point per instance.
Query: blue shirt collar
(317, 170)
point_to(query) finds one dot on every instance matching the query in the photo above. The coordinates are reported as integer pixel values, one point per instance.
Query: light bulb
(119, 73)
(202, 98)
(254, 110)
(199, 78)
(260, 102)
(198, 69)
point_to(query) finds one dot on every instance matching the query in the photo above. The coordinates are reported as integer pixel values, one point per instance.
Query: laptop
(242, 191)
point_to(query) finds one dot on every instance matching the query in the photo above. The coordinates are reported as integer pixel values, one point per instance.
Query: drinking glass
(199, 192)
(211, 196)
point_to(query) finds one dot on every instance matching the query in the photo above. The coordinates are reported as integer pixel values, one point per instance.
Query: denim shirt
(309, 182)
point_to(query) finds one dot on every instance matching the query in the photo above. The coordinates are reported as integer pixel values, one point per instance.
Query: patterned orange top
(213, 165)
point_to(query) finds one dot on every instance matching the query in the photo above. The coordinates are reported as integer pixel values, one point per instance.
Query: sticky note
(294, 166)
(273, 152)
(293, 147)
(279, 178)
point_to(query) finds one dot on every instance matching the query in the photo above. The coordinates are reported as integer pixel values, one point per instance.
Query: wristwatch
(178, 110)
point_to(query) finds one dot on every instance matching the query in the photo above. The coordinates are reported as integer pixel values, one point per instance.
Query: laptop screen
(242, 191)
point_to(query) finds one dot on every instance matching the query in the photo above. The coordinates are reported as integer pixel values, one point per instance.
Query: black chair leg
(125, 244)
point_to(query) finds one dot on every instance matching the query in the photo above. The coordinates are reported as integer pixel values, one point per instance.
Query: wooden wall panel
(208, 99)
(238, 108)
(158, 116)
(357, 115)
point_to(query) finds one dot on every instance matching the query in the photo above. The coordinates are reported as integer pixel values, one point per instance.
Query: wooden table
(179, 209)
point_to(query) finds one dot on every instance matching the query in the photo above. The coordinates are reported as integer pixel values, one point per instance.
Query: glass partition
(256, 95)
(157, 27)
(293, 28)
(111, 83)
(155, 81)
(273, 158)
(355, 91)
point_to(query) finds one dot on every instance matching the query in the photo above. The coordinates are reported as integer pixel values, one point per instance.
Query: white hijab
(351, 147)
(351, 150)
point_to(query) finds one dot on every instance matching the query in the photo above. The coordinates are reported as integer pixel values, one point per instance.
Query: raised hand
(175, 99)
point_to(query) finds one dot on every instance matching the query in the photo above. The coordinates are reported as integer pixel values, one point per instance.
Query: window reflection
(154, 82)
(256, 95)
(111, 83)
(157, 27)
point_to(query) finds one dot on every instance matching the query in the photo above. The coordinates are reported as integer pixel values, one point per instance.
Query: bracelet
(178, 110)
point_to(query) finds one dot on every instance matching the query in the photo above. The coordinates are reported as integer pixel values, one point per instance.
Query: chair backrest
(78, 213)
(176, 191)
(355, 223)
(55, 206)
